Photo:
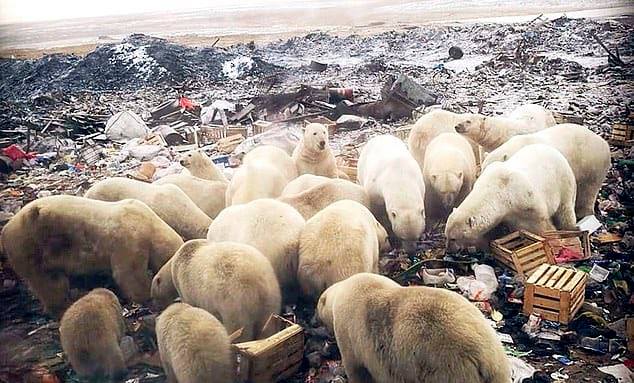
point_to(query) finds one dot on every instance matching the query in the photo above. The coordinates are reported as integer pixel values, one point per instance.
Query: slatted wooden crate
(213, 133)
(522, 252)
(622, 135)
(272, 359)
(575, 240)
(556, 293)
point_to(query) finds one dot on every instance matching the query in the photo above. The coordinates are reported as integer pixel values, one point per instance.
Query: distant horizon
(22, 11)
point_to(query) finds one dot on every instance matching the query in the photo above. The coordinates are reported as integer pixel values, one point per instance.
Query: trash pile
(130, 109)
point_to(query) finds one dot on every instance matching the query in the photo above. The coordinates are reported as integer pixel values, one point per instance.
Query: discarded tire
(455, 53)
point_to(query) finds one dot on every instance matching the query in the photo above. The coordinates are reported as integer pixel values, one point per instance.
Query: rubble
(228, 100)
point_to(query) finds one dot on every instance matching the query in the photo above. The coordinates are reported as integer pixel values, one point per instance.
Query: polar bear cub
(394, 182)
(339, 241)
(534, 190)
(387, 333)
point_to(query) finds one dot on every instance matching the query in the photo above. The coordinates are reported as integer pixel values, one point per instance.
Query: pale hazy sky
(12, 11)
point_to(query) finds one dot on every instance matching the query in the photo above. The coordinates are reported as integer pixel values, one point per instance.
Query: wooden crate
(522, 252)
(575, 240)
(272, 359)
(213, 133)
(622, 135)
(556, 293)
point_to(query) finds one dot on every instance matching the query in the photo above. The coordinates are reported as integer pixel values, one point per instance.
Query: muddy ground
(556, 63)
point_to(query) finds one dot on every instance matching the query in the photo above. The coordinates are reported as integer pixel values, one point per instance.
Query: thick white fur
(587, 153)
(209, 196)
(534, 190)
(302, 183)
(394, 182)
(313, 155)
(392, 334)
(339, 241)
(198, 164)
(270, 226)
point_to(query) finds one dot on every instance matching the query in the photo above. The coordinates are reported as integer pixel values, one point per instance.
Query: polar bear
(232, 281)
(96, 317)
(394, 182)
(302, 183)
(449, 172)
(53, 238)
(209, 196)
(313, 154)
(316, 198)
(587, 153)
(430, 125)
(254, 181)
(392, 334)
(534, 190)
(167, 201)
(198, 164)
(492, 131)
(194, 346)
(264, 173)
(270, 226)
(339, 241)
(276, 157)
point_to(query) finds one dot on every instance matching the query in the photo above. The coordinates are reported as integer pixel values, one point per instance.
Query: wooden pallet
(622, 135)
(272, 359)
(522, 251)
(556, 293)
(578, 241)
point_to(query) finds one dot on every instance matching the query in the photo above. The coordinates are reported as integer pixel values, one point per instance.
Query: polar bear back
(302, 183)
(275, 157)
(270, 226)
(536, 116)
(386, 159)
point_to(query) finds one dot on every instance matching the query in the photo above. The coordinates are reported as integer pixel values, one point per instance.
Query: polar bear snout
(322, 144)
(462, 127)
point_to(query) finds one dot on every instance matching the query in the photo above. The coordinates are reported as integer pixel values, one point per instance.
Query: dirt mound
(138, 61)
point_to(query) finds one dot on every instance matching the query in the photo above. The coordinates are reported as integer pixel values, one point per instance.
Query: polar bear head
(471, 125)
(447, 185)
(316, 137)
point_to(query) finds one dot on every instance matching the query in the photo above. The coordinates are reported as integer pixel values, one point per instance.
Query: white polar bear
(587, 153)
(232, 281)
(428, 127)
(534, 190)
(303, 183)
(492, 131)
(198, 164)
(209, 196)
(339, 241)
(313, 154)
(449, 172)
(392, 334)
(394, 183)
(169, 202)
(264, 173)
(270, 226)
(309, 202)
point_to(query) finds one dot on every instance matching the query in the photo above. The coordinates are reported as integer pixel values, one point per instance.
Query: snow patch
(237, 67)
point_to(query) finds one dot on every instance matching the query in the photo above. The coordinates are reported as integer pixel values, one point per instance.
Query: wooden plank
(576, 306)
(538, 273)
(540, 290)
(534, 264)
(556, 277)
(564, 312)
(530, 248)
(580, 288)
(547, 314)
(532, 236)
(530, 258)
(564, 278)
(529, 293)
(548, 303)
(549, 272)
(573, 282)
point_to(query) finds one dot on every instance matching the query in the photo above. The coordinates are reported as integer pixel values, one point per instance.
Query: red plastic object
(568, 255)
(186, 103)
(14, 152)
